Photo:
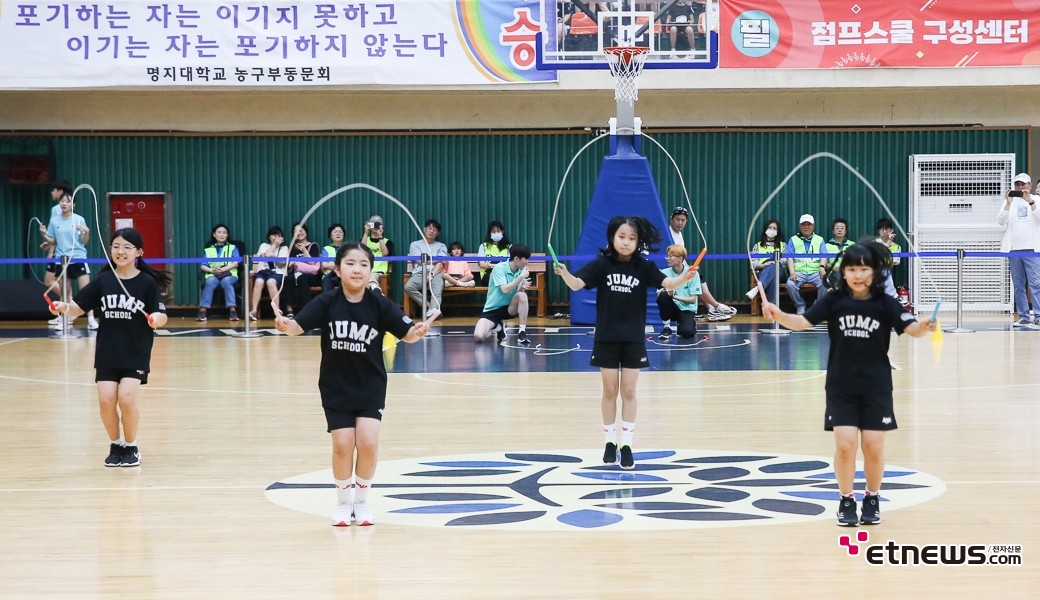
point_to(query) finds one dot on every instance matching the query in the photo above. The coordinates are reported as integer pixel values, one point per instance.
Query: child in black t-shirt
(352, 378)
(129, 306)
(860, 318)
(621, 277)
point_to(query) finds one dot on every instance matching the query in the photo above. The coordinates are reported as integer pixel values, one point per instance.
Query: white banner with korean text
(203, 43)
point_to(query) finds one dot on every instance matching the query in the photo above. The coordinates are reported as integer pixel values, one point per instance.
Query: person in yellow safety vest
(495, 245)
(336, 235)
(836, 247)
(804, 270)
(376, 240)
(222, 274)
(886, 236)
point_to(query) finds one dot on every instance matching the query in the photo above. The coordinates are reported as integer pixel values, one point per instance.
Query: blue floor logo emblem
(569, 490)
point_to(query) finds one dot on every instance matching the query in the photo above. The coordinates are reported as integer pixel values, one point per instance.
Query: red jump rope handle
(50, 302)
(693, 269)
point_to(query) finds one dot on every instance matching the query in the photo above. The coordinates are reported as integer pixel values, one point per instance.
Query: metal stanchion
(960, 307)
(64, 322)
(425, 262)
(247, 267)
(776, 330)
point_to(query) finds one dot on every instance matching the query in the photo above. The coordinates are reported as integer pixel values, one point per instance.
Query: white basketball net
(626, 63)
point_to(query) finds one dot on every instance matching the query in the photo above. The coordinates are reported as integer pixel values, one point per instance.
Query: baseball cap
(679, 210)
(806, 218)
(1023, 178)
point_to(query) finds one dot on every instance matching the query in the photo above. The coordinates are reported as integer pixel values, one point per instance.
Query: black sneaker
(500, 333)
(522, 338)
(847, 512)
(115, 456)
(131, 457)
(202, 315)
(627, 462)
(610, 453)
(871, 514)
(666, 333)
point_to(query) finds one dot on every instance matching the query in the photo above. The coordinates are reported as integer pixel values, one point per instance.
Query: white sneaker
(717, 315)
(54, 321)
(362, 515)
(726, 309)
(344, 515)
(431, 312)
(91, 322)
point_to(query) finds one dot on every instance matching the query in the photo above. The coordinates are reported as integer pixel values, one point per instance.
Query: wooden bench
(384, 282)
(537, 268)
(756, 302)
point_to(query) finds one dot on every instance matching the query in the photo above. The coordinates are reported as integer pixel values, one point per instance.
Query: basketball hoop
(626, 63)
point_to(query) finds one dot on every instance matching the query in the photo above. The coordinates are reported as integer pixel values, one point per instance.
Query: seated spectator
(268, 273)
(506, 297)
(432, 276)
(717, 311)
(886, 236)
(304, 275)
(836, 247)
(681, 19)
(220, 273)
(337, 233)
(679, 304)
(804, 270)
(381, 246)
(495, 244)
(766, 269)
(457, 272)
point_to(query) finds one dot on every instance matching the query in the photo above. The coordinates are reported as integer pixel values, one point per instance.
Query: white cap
(1023, 178)
(806, 219)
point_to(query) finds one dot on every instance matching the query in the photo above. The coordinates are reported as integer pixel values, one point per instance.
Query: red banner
(809, 34)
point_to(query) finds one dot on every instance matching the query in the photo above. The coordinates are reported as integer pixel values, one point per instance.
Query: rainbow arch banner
(212, 43)
(810, 34)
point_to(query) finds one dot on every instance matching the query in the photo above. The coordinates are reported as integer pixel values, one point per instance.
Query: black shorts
(611, 355)
(497, 315)
(118, 375)
(872, 412)
(337, 418)
(74, 271)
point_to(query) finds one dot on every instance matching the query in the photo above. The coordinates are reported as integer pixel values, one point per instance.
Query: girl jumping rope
(621, 277)
(128, 315)
(860, 318)
(352, 377)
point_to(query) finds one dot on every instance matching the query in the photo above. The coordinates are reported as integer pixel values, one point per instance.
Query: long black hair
(134, 237)
(646, 236)
(775, 242)
(504, 242)
(866, 253)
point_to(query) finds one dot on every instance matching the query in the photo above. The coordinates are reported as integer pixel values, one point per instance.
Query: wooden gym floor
(490, 483)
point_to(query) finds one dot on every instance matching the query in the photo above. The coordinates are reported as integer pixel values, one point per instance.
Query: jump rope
(686, 196)
(135, 307)
(881, 201)
(435, 302)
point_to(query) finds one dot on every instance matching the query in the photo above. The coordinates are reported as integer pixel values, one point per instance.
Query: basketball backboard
(680, 34)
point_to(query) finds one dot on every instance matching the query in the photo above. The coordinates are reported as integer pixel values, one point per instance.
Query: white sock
(119, 441)
(666, 323)
(343, 491)
(627, 429)
(361, 486)
(609, 433)
(129, 443)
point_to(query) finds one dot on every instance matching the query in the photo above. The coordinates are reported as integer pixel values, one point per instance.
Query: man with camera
(1021, 219)
(376, 240)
